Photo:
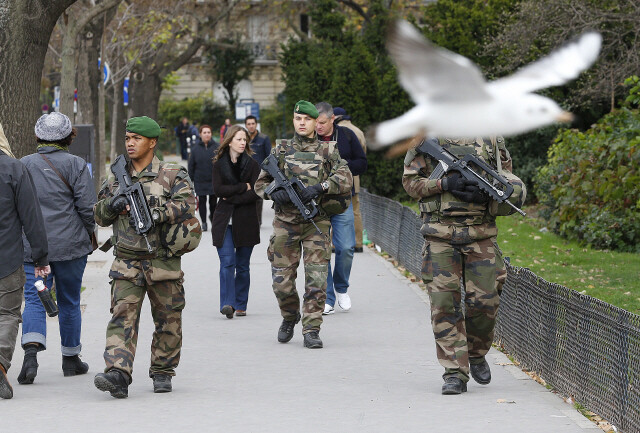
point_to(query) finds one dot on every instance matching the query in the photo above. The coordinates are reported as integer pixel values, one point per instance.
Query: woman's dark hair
(228, 136)
(205, 126)
(64, 142)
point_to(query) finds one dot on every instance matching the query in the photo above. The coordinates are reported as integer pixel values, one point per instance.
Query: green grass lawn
(610, 276)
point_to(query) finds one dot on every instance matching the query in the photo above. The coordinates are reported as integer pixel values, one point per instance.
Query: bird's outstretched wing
(429, 72)
(557, 68)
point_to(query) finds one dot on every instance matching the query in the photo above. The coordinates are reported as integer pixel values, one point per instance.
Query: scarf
(4, 144)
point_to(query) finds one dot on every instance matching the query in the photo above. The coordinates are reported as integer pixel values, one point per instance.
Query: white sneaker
(344, 301)
(328, 309)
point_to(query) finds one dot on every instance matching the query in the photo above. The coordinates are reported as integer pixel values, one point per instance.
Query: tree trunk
(77, 22)
(68, 69)
(88, 73)
(118, 122)
(144, 94)
(25, 29)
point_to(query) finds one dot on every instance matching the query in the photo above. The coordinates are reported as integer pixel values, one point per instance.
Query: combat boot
(285, 333)
(480, 371)
(453, 385)
(312, 340)
(29, 365)
(6, 391)
(161, 383)
(114, 381)
(71, 366)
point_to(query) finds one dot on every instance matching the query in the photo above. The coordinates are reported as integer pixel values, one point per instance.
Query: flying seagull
(454, 100)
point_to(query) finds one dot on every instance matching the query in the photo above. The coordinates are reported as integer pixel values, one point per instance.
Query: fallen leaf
(502, 400)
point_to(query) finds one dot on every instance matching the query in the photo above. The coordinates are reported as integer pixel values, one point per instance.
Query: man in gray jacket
(66, 196)
(19, 210)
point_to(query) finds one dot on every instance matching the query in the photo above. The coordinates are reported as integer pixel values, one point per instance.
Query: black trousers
(202, 206)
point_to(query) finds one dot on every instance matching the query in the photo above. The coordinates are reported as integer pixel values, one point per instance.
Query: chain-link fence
(583, 347)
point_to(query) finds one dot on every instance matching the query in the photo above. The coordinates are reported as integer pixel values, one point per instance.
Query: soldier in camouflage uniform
(319, 166)
(136, 271)
(460, 247)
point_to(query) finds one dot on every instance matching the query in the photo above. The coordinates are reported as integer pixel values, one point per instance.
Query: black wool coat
(235, 200)
(199, 167)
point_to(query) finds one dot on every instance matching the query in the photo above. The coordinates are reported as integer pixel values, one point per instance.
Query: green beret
(306, 107)
(144, 126)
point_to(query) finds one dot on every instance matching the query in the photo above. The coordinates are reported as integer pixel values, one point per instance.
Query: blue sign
(106, 72)
(244, 109)
(125, 92)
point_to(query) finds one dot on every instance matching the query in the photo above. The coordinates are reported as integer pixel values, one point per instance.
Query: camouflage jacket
(303, 157)
(169, 190)
(445, 216)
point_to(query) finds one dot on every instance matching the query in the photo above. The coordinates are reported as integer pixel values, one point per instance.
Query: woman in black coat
(235, 228)
(200, 162)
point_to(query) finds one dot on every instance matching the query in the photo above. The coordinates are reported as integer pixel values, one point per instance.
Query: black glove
(117, 204)
(310, 192)
(280, 197)
(472, 194)
(455, 182)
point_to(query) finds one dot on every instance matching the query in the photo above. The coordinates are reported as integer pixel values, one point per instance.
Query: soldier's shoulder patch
(171, 166)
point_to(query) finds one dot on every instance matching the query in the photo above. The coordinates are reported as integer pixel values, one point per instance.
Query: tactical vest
(312, 168)
(166, 240)
(445, 208)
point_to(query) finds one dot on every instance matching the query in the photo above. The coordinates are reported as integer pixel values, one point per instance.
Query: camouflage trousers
(167, 302)
(446, 269)
(287, 243)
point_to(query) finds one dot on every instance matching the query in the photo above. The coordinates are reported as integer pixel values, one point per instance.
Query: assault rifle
(133, 192)
(280, 181)
(497, 187)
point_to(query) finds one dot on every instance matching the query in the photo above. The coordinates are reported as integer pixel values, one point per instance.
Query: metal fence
(583, 347)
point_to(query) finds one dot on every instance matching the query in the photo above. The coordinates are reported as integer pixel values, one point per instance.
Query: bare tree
(75, 20)
(542, 25)
(25, 27)
(175, 49)
(125, 45)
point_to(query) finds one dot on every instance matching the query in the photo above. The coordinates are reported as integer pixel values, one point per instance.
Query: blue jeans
(234, 273)
(344, 241)
(68, 275)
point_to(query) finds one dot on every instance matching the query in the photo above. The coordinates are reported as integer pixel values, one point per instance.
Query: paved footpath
(377, 372)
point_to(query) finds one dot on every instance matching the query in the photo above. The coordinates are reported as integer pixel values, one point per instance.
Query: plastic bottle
(44, 294)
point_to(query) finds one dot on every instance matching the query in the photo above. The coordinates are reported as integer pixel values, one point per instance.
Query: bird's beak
(564, 117)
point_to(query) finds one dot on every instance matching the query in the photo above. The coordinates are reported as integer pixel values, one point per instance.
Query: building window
(304, 24)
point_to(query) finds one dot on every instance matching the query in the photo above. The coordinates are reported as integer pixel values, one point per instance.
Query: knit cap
(53, 127)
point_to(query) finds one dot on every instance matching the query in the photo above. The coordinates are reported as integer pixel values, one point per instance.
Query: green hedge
(590, 186)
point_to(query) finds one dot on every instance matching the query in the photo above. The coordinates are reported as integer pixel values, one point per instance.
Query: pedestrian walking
(19, 212)
(147, 264)
(65, 192)
(200, 171)
(319, 166)
(342, 225)
(235, 228)
(223, 128)
(343, 119)
(261, 147)
(183, 132)
(459, 229)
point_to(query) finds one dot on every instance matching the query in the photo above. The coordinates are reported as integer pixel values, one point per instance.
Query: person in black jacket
(66, 196)
(235, 229)
(200, 172)
(19, 211)
(342, 225)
